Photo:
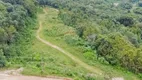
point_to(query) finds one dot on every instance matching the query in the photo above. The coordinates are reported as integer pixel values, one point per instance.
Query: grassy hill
(56, 63)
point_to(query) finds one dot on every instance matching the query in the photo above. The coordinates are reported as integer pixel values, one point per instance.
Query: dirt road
(15, 75)
(11, 77)
(75, 59)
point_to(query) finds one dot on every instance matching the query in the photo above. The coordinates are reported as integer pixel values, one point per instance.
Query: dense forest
(112, 28)
(15, 16)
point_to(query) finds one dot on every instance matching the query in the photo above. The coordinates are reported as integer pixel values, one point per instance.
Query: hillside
(77, 39)
(111, 28)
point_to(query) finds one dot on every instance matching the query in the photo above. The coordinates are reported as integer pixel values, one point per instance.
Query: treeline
(15, 16)
(113, 28)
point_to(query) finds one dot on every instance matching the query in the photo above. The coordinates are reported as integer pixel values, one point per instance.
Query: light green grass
(54, 63)
(55, 31)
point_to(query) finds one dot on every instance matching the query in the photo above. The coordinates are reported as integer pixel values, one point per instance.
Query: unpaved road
(15, 75)
(75, 59)
(94, 70)
(11, 77)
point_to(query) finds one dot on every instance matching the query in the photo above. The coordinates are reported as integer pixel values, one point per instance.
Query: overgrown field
(65, 37)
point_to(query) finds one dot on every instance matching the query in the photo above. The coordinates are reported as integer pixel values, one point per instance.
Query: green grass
(56, 32)
(54, 62)
(38, 59)
(41, 60)
(47, 61)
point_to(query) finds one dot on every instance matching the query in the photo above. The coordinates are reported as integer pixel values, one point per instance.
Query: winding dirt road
(75, 59)
(15, 74)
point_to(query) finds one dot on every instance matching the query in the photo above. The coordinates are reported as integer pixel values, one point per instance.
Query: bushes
(133, 38)
(105, 48)
(68, 18)
(126, 5)
(3, 35)
(138, 11)
(72, 40)
(118, 51)
(15, 16)
(2, 59)
(126, 20)
(89, 55)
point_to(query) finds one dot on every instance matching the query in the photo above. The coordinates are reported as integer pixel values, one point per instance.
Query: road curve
(75, 59)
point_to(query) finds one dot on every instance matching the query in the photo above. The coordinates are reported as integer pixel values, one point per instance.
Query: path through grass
(54, 31)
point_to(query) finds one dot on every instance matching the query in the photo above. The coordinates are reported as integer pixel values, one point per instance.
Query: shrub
(138, 11)
(89, 55)
(2, 59)
(126, 5)
(126, 20)
(117, 50)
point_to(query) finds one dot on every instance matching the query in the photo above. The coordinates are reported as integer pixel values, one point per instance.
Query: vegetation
(15, 16)
(109, 29)
(103, 33)
(56, 32)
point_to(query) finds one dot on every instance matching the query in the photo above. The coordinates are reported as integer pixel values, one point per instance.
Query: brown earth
(15, 75)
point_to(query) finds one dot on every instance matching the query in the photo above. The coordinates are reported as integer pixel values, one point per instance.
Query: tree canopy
(14, 15)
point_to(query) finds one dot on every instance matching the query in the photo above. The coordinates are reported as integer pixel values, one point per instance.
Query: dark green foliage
(14, 16)
(116, 50)
(2, 59)
(138, 11)
(126, 21)
(3, 35)
(126, 5)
